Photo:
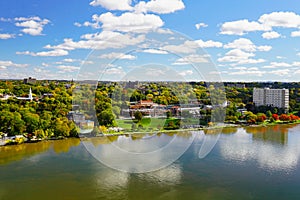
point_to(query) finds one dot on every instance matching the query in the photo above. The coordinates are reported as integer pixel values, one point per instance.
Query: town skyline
(246, 41)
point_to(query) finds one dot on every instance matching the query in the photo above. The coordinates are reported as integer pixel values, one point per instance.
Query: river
(246, 163)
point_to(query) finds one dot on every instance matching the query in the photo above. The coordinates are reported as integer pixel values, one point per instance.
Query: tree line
(47, 117)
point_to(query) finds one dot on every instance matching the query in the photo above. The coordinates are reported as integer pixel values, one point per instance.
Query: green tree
(138, 116)
(269, 114)
(106, 118)
(18, 125)
(61, 127)
(32, 121)
(116, 110)
(6, 119)
(169, 114)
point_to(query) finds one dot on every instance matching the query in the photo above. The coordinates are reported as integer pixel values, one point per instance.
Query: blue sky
(245, 40)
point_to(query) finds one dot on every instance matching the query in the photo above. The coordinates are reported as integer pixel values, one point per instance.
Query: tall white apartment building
(272, 97)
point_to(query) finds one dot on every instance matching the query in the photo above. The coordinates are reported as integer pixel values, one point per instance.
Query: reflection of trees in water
(61, 146)
(113, 138)
(277, 133)
(212, 131)
(137, 136)
(18, 152)
(96, 141)
(229, 130)
(184, 134)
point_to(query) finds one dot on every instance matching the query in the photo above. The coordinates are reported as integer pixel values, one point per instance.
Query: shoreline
(225, 125)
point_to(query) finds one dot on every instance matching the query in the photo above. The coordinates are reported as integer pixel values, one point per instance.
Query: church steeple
(30, 95)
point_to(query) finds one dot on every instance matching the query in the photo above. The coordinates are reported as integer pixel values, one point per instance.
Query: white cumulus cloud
(280, 19)
(52, 53)
(32, 25)
(208, 44)
(265, 23)
(270, 35)
(113, 4)
(5, 36)
(67, 68)
(126, 22)
(130, 22)
(160, 6)
(246, 45)
(241, 27)
(115, 55)
(295, 34)
(102, 40)
(199, 25)
(155, 51)
(190, 59)
(7, 63)
(186, 73)
(235, 55)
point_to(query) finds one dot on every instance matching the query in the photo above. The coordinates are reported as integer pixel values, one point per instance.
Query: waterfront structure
(271, 97)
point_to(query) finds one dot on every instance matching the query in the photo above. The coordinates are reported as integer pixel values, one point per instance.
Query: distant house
(242, 110)
(5, 96)
(29, 80)
(148, 108)
(79, 119)
(236, 85)
(49, 95)
(28, 98)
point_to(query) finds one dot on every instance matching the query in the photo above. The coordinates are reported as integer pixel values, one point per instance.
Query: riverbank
(19, 140)
(203, 128)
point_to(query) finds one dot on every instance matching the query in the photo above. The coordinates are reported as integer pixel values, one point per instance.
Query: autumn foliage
(284, 117)
(261, 117)
(275, 117)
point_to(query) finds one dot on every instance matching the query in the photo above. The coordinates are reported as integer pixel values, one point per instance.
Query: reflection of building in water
(243, 147)
(275, 134)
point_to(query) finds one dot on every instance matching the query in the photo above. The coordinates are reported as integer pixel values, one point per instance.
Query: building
(236, 85)
(5, 96)
(148, 108)
(271, 97)
(29, 80)
(49, 95)
(29, 98)
(79, 119)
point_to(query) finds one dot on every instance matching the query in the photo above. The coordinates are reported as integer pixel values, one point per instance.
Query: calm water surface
(246, 163)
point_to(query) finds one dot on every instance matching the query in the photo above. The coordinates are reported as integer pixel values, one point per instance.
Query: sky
(234, 40)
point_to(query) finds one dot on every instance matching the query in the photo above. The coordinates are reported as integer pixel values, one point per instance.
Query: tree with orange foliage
(293, 117)
(284, 117)
(275, 117)
(261, 117)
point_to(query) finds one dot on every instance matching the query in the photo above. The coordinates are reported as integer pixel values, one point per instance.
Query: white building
(272, 97)
(29, 98)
